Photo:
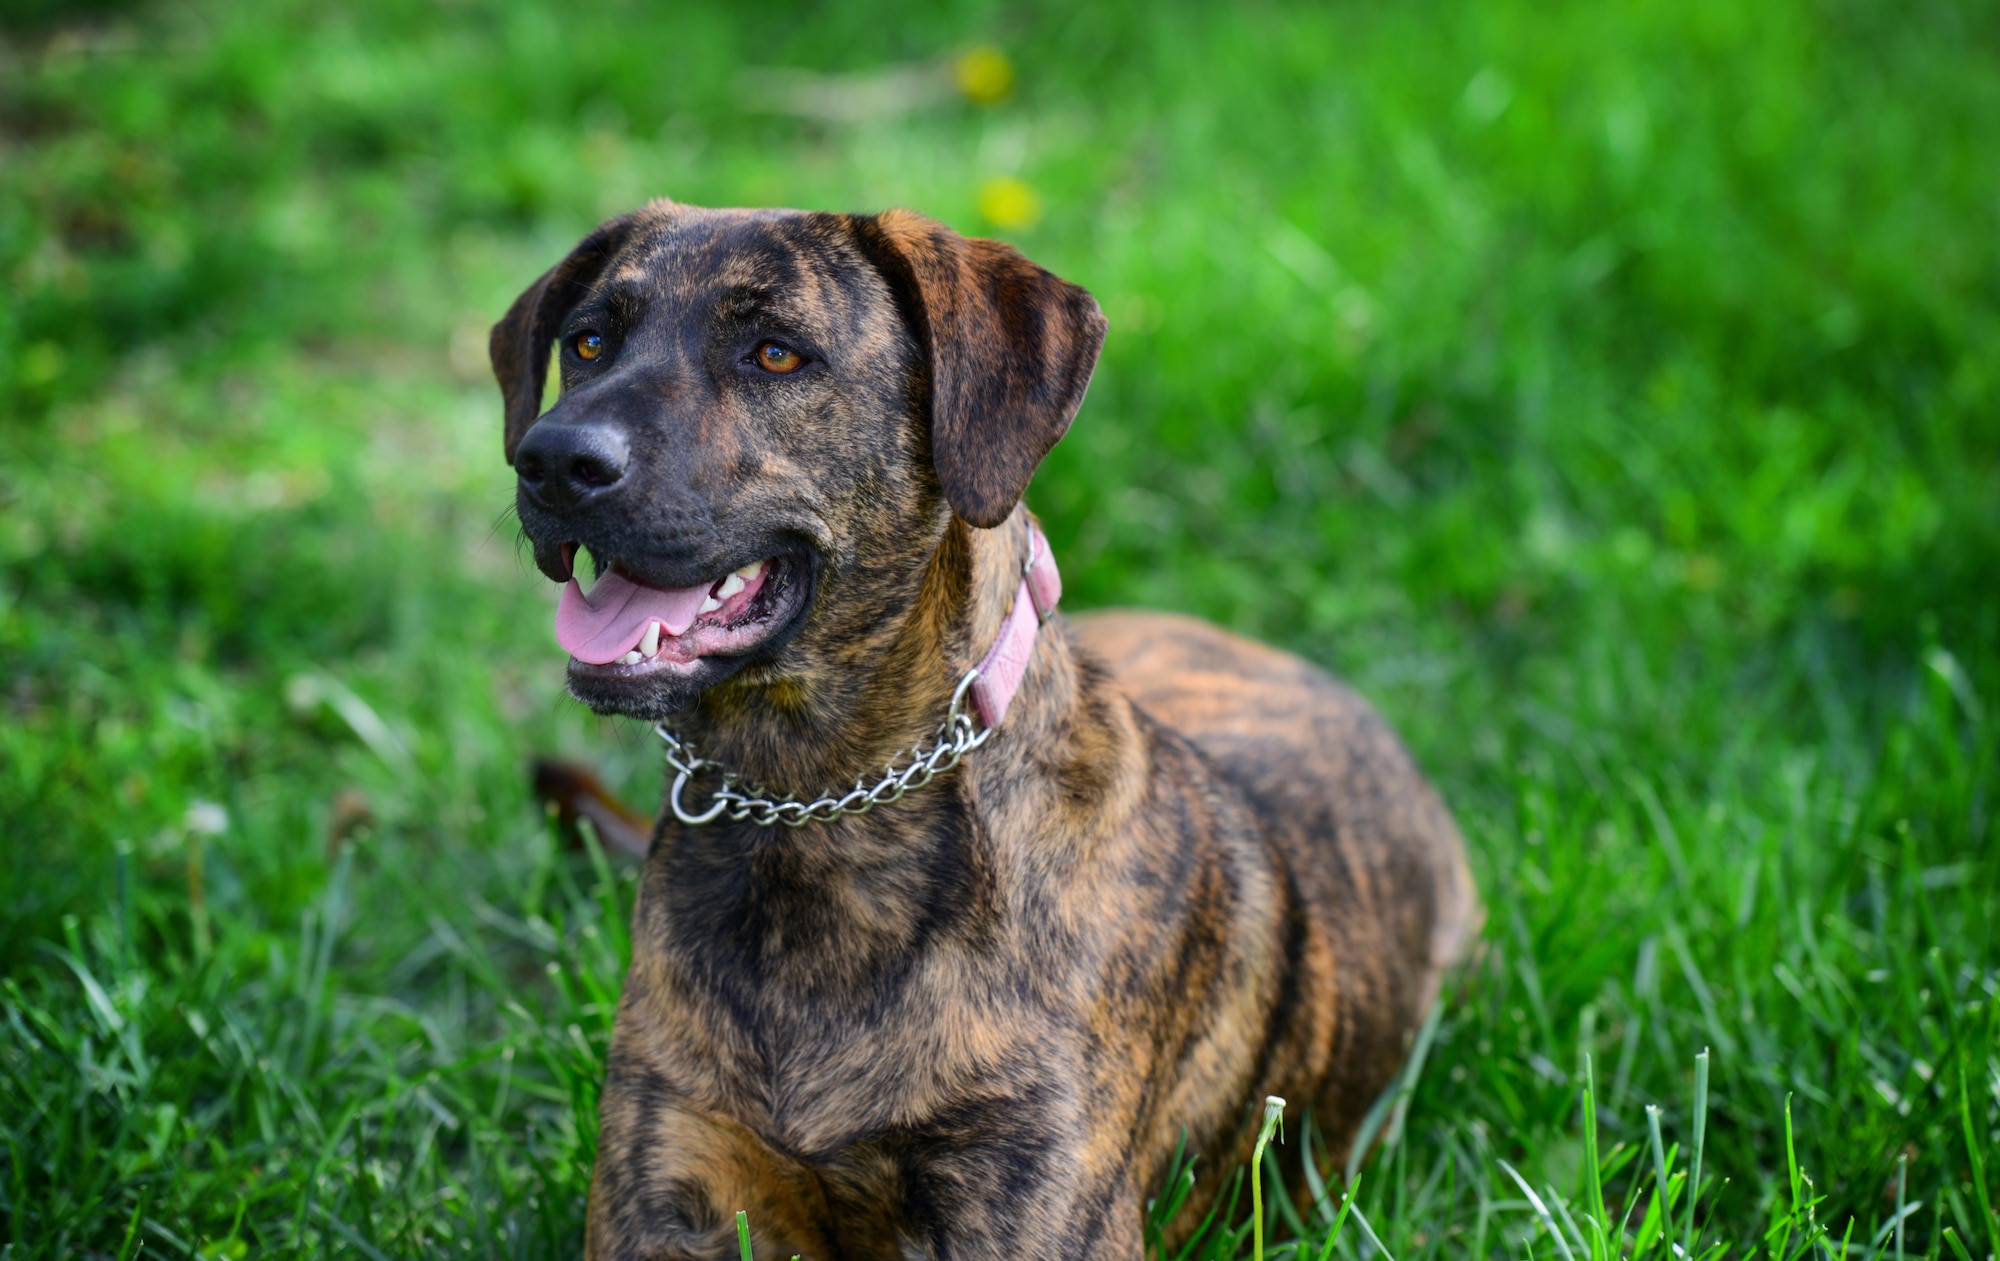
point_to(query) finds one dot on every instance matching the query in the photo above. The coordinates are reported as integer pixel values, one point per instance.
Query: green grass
(1612, 392)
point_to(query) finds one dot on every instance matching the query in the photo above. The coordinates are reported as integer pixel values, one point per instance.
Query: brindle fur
(1187, 871)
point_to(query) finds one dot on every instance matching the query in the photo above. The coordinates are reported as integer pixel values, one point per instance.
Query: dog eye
(774, 357)
(588, 345)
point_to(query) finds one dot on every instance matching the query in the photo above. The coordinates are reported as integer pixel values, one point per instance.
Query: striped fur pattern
(1186, 872)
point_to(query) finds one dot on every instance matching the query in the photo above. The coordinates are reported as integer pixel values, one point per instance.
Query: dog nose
(561, 465)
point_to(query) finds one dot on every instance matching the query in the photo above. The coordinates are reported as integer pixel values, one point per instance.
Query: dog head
(762, 411)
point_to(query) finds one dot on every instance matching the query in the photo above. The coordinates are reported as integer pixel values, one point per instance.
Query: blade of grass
(1562, 1211)
(1274, 1115)
(1385, 1116)
(1593, 1169)
(1978, 1164)
(1541, 1209)
(1406, 1088)
(1902, 1191)
(1310, 1149)
(1804, 1213)
(1700, 1141)
(1282, 1200)
(128, 1248)
(1340, 1221)
(1174, 1191)
(1361, 1220)
(1223, 1210)
(1666, 1215)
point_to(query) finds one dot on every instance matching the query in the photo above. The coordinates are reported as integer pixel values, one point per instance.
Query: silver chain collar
(957, 736)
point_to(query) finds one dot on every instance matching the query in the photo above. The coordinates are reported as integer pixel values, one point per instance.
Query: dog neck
(878, 685)
(827, 906)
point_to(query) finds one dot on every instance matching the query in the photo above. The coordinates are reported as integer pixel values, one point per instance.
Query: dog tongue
(604, 625)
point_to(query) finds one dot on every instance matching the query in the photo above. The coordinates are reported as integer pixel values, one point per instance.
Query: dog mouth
(625, 627)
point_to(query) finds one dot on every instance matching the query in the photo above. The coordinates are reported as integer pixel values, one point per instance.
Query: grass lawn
(1612, 392)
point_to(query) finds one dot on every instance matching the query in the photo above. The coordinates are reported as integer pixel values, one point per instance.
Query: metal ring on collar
(681, 812)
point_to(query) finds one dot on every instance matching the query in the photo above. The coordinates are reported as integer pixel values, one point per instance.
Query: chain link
(957, 736)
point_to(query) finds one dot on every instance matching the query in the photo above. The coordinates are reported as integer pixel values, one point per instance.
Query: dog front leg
(670, 1180)
(996, 1199)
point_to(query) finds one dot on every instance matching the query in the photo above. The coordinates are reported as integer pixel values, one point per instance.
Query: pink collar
(1007, 660)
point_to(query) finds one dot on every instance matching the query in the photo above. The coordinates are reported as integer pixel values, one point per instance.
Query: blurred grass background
(1611, 392)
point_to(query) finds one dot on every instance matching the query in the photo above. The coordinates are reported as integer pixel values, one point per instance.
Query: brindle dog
(1186, 871)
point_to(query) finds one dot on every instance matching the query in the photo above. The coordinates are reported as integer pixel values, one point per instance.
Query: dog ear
(1010, 347)
(519, 345)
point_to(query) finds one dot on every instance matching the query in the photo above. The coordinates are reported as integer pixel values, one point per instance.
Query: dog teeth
(651, 643)
(631, 658)
(711, 604)
(749, 572)
(730, 586)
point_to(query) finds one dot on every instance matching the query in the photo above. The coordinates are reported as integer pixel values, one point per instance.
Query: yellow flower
(1006, 202)
(985, 75)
